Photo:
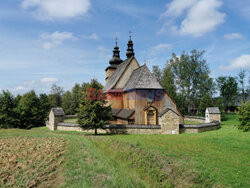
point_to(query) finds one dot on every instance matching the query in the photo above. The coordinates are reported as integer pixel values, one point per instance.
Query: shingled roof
(58, 111)
(117, 74)
(122, 113)
(213, 110)
(142, 78)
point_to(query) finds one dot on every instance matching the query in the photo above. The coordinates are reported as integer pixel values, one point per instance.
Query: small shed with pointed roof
(212, 114)
(56, 115)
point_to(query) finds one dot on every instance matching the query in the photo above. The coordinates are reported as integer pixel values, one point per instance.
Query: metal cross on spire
(130, 35)
(116, 39)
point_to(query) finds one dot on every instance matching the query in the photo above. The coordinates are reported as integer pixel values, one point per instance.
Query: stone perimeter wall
(114, 129)
(198, 128)
(169, 124)
(194, 118)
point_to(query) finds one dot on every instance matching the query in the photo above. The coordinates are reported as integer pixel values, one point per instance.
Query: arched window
(150, 116)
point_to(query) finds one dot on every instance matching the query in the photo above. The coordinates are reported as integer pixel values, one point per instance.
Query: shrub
(244, 116)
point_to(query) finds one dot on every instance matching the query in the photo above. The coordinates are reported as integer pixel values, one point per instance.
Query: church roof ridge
(142, 78)
(117, 74)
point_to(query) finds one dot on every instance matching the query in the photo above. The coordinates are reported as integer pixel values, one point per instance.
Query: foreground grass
(218, 158)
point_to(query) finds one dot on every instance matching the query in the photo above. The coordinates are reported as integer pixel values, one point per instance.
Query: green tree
(167, 81)
(241, 78)
(67, 103)
(244, 116)
(29, 110)
(228, 88)
(56, 96)
(191, 78)
(76, 97)
(93, 112)
(206, 101)
(220, 103)
(157, 73)
(9, 117)
(44, 106)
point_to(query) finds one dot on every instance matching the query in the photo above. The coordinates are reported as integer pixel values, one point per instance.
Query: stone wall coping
(133, 126)
(201, 125)
(70, 116)
(116, 126)
(68, 124)
(195, 117)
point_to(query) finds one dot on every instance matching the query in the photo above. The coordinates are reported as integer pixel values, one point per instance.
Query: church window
(151, 116)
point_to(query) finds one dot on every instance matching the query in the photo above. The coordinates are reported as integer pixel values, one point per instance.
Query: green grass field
(218, 158)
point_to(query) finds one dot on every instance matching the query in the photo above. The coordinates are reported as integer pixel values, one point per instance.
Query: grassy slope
(222, 157)
(218, 158)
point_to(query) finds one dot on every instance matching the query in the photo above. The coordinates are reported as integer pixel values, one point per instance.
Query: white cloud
(19, 88)
(177, 7)
(93, 36)
(49, 80)
(242, 62)
(200, 16)
(24, 87)
(232, 36)
(159, 48)
(55, 39)
(57, 9)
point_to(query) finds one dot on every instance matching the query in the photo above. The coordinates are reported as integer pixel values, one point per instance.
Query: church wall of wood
(115, 100)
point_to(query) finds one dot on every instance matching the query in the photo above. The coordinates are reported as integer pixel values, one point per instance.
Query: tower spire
(116, 60)
(130, 50)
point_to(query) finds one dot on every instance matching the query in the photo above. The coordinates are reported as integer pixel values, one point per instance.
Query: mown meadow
(39, 157)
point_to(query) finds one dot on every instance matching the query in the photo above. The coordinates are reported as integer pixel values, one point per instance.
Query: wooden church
(136, 97)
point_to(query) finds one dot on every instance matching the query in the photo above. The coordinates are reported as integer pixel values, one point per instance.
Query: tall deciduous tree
(228, 88)
(241, 78)
(67, 103)
(56, 96)
(93, 112)
(76, 97)
(168, 82)
(157, 73)
(191, 77)
(205, 101)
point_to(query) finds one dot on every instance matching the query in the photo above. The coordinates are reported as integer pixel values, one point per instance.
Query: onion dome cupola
(130, 50)
(116, 60)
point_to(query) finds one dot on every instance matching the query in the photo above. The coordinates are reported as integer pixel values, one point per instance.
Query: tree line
(186, 78)
(23, 112)
(31, 110)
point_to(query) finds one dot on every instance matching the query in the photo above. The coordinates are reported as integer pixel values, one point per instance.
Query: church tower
(114, 62)
(130, 50)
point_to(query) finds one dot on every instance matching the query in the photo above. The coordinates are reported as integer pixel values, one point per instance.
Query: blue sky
(66, 42)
